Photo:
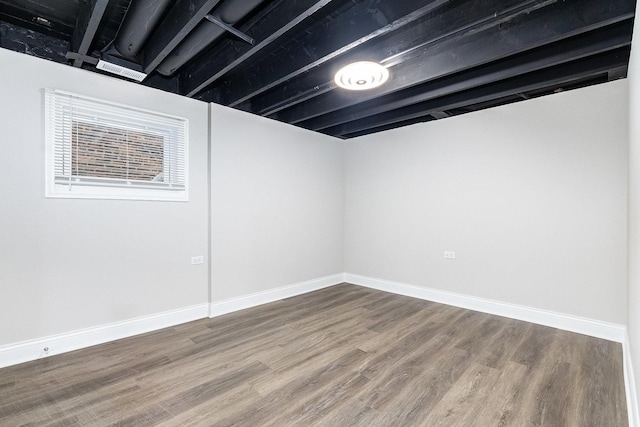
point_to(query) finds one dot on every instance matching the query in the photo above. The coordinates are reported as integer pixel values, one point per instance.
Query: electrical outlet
(197, 260)
(449, 255)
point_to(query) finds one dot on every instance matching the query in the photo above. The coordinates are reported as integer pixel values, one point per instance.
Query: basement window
(101, 150)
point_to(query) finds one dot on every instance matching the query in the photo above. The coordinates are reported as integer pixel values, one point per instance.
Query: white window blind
(98, 149)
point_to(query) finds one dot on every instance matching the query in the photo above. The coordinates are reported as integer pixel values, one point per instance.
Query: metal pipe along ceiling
(142, 17)
(206, 33)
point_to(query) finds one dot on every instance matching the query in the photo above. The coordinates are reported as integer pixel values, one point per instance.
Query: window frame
(87, 187)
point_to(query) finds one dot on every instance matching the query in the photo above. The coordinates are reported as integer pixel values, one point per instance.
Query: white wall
(277, 204)
(70, 264)
(633, 324)
(277, 209)
(531, 197)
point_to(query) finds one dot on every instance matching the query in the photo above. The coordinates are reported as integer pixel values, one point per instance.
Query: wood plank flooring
(341, 356)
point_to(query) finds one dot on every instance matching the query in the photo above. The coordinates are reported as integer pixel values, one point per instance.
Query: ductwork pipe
(141, 19)
(230, 12)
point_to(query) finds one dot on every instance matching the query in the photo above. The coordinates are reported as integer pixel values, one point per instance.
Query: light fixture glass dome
(361, 75)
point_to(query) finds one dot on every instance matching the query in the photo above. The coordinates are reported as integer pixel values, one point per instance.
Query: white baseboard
(219, 308)
(581, 325)
(630, 385)
(26, 351)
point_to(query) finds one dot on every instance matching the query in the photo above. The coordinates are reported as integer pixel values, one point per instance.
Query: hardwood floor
(341, 356)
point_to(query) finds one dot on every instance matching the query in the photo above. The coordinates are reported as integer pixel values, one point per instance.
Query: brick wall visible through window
(107, 152)
(100, 150)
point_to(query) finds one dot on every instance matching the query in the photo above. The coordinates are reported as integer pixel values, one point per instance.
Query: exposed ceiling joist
(271, 28)
(540, 27)
(564, 51)
(86, 28)
(549, 78)
(183, 17)
(357, 27)
(462, 18)
(220, 23)
(446, 57)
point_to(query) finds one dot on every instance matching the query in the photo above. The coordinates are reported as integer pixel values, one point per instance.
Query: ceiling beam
(540, 27)
(452, 22)
(550, 77)
(477, 107)
(270, 28)
(595, 42)
(230, 29)
(86, 28)
(182, 18)
(355, 27)
(354, 24)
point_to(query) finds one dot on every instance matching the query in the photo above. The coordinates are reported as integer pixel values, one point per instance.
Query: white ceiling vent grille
(120, 70)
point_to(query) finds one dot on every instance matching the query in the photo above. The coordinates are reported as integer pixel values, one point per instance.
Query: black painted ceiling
(277, 58)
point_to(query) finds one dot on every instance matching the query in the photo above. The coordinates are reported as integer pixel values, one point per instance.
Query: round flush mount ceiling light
(361, 75)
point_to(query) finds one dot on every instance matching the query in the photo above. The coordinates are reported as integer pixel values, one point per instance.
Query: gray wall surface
(69, 264)
(277, 202)
(531, 196)
(633, 323)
